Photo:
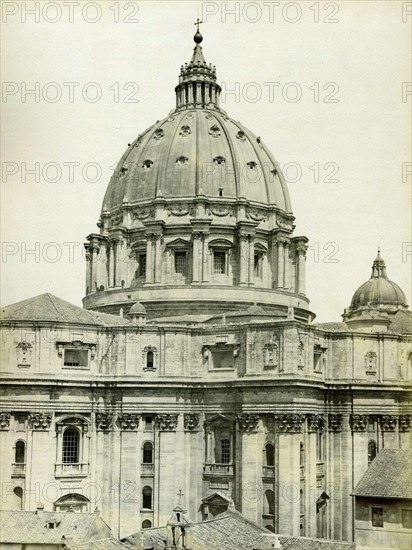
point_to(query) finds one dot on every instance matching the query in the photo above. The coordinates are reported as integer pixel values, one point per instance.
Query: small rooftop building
(383, 505)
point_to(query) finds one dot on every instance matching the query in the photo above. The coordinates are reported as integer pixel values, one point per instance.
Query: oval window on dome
(182, 160)
(241, 135)
(147, 164)
(185, 130)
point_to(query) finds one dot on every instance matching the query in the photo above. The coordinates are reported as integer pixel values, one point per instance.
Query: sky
(325, 85)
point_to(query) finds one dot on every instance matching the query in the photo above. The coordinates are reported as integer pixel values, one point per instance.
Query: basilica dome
(196, 152)
(197, 219)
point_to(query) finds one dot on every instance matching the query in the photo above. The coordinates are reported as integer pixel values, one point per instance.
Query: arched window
(148, 453)
(269, 502)
(301, 454)
(147, 497)
(20, 452)
(270, 454)
(70, 447)
(150, 360)
(73, 502)
(146, 524)
(371, 450)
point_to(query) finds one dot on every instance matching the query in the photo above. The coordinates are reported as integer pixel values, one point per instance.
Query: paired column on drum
(93, 258)
(301, 246)
(246, 233)
(154, 251)
(200, 254)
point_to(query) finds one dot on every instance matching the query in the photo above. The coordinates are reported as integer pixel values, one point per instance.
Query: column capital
(248, 422)
(404, 422)
(335, 422)
(316, 422)
(359, 422)
(291, 423)
(4, 420)
(128, 421)
(167, 422)
(191, 421)
(388, 423)
(104, 421)
(40, 421)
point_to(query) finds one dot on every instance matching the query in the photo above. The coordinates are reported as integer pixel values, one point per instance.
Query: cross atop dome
(198, 37)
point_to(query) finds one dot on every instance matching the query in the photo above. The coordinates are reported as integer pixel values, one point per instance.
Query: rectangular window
(219, 262)
(407, 519)
(257, 266)
(317, 361)
(319, 446)
(180, 263)
(142, 265)
(148, 423)
(222, 359)
(225, 451)
(377, 517)
(76, 357)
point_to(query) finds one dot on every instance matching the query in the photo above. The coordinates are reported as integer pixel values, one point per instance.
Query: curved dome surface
(378, 291)
(197, 152)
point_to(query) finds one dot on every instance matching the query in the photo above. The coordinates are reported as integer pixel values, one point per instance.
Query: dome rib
(233, 156)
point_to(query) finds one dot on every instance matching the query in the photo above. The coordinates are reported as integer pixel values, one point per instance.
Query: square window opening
(76, 358)
(377, 517)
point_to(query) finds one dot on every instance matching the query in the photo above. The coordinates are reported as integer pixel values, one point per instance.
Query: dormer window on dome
(158, 134)
(182, 160)
(215, 131)
(147, 164)
(185, 131)
(123, 171)
(241, 135)
(219, 160)
(252, 165)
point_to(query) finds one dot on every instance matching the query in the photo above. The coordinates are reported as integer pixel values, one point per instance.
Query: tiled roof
(402, 322)
(233, 531)
(32, 527)
(103, 544)
(47, 307)
(389, 476)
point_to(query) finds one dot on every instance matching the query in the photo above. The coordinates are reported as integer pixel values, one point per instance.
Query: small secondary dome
(379, 290)
(137, 309)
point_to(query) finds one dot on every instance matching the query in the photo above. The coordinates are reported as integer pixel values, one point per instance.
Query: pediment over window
(259, 247)
(219, 420)
(220, 243)
(179, 244)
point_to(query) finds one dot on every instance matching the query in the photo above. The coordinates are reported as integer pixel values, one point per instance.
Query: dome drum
(196, 216)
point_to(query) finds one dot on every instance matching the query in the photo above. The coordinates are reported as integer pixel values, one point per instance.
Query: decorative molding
(220, 211)
(167, 422)
(24, 354)
(359, 422)
(191, 421)
(301, 355)
(388, 423)
(371, 360)
(255, 215)
(103, 421)
(129, 421)
(248, 422)
(180, 210)
(404, 422)
(143, 213)
(335, 422)
(4, 421)
(316, 422)
(271, 355)
(40, 421)
(290, 422)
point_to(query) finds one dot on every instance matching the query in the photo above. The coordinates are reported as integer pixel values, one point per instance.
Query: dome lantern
(197, 80)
